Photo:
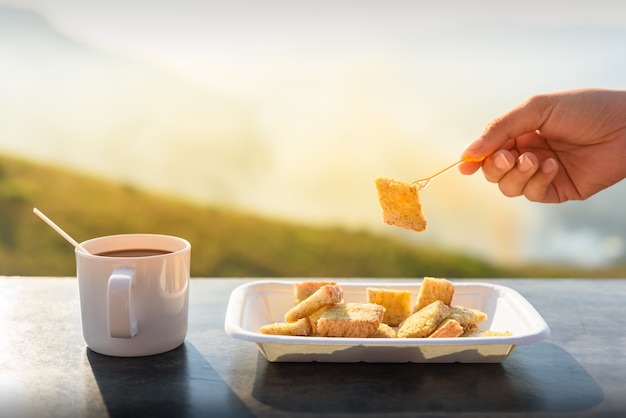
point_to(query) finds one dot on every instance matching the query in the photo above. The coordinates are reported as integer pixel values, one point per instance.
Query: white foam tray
(257, 303)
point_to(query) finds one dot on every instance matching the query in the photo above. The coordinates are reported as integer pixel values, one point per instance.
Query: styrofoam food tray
(257, 303)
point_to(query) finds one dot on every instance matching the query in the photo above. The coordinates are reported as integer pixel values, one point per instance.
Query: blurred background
(289, 110)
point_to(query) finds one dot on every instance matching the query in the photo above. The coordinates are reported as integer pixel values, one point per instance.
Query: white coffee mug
(134, 293)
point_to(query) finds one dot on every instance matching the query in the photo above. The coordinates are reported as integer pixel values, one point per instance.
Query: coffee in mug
(134, 293)
(133, 252)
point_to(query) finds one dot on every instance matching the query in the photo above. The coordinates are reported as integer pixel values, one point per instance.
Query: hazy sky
(293, 108)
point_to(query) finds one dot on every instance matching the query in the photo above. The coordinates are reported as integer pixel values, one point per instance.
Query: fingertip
(469, 168)
(501, 161)
(527, 162)
(549, 166)
(473, 150)
(539, 187)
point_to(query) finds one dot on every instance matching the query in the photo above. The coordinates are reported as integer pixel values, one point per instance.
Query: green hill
(225, 243)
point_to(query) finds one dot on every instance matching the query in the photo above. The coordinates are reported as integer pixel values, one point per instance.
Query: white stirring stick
(60, 231)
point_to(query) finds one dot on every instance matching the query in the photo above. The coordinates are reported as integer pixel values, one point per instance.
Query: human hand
(555, 147)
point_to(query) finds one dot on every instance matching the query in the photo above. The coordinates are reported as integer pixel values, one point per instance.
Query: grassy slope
(225, 243)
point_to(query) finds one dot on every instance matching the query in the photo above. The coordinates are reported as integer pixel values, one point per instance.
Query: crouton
(423, 322)
(313, 318)
(449, 328)
(467, 316)
(400, 204)
(433, 289)
(302, 328)
(397, 304)
(478, 332)
(324, 296)
(352, 320)
(303, 290)
(384, 331)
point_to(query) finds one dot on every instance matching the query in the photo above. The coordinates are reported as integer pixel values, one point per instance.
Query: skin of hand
(554, 147)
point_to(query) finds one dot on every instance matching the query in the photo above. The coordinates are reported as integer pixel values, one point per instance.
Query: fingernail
(501, 162)
(524, 163)
(549, 166)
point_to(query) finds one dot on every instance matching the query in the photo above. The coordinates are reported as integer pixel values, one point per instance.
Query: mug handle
(121, 320)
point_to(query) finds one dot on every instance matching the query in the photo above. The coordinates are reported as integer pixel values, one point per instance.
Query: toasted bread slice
(478, 332)
(449, 328)
(400, 204)
(352, 320)
(313, 318)
(397, 303)
(384, 331)
(423, 322)
(324, 296)
(303, 290)
(433, 289)
(467, 317)
(302, 328)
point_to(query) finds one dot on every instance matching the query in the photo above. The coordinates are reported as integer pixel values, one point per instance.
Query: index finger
(527, 117)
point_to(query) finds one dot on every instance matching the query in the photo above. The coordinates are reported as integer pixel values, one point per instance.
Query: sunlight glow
(292, 109)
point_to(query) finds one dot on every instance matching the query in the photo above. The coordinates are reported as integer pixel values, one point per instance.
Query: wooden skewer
(59, 230)
(422, 183)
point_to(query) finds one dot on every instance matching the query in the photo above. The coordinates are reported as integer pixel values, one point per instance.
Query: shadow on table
(179, 383)
(541, 377)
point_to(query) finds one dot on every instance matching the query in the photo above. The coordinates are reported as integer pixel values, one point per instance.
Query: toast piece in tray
(322, 297)
(384, 331)
(303, 290)
(351, 320)
(479, 332)
(433, 289)
(449, 328)
(423, 322)
(467, 317)
(301, 327)
(397, 303)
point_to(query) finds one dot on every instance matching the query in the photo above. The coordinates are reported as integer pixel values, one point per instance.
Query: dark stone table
(46, 370)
